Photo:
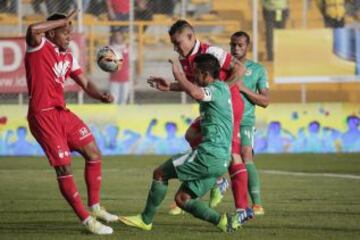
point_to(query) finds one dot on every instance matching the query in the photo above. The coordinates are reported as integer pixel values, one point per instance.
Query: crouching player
(197, 169)
(48, 64)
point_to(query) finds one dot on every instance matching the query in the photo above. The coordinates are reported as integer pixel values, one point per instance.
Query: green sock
(155, 197)
(201, 210)
(254, 183)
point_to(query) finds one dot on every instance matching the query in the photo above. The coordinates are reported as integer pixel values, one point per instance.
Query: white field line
(333, 175)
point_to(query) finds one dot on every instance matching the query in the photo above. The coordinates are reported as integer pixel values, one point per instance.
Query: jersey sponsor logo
(83, 131)
(60, 69)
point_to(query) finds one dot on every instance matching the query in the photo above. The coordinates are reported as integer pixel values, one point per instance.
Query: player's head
(239, 44)
(206, 69)
(59, 36)
(182, 37)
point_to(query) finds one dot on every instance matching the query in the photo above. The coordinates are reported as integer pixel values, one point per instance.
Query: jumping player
(48, 64)
(255, 92)
(199, 168)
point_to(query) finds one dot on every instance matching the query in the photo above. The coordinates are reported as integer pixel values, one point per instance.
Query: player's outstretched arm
(35, 31)
(163, 85)
(90, 88)
(191, 89)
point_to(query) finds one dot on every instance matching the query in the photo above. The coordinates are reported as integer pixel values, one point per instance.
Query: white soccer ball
(109, 59)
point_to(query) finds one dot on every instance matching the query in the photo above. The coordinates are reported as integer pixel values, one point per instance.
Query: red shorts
(238, 109)
(59, 131)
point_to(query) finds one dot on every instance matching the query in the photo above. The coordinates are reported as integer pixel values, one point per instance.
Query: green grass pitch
(305, 206)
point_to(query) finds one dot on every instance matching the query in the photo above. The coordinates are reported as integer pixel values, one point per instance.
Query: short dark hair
(56, 16)
(242, 34)
(179, 26)
(208, 63)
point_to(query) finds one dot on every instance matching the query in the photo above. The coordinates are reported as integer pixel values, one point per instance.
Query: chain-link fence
(139, 28)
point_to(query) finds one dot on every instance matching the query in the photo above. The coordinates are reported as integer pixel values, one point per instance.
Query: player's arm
(261, 99)
(191, 89)
(90, 88)
(164, 85)
(35, 31)
(237, 70)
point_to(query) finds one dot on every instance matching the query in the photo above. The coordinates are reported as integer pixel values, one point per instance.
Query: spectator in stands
(118, 10)
(143, 10)
(275, 14)
(333, 12)
(163, 7)
(353, 9)
(119, 81)
(96, 7)
(8, 6)
(52, 6)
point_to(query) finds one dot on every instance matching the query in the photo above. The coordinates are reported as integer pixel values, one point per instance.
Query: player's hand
(106, 97)
(177, 70)
(159, 83)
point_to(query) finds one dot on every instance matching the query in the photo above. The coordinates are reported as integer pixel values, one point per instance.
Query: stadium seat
(34, 18)
(10, 19)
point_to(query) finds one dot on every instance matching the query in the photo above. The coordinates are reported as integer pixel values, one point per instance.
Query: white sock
(86, 220)
(95, 207)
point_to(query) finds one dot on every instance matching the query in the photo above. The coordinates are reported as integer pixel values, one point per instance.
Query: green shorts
(195, 176)
(247, 136)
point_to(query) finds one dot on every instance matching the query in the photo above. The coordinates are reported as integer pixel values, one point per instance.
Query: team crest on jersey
(248, 72)
(60, 69)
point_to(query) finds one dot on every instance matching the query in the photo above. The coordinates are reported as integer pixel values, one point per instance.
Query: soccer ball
(109, 59)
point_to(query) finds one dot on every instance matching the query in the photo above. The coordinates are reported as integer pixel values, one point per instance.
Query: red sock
(239, 185)
(195, 142)
(69, 191)
(93, 181)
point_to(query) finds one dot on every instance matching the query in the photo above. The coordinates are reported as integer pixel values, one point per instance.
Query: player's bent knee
(247, 154)
(181, 198)
(158, 174)
(91, 151)
(236, 159)
(63, 170)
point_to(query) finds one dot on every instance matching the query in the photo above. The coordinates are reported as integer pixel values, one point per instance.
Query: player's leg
(247, 137)
(47, 128)
(156, 195)
(193, 136)
(81, 140)
(188, 198)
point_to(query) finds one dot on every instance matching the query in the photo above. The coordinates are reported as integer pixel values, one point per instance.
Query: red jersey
(223, 57)
(123, 74)
(47, 70)
(120, 6)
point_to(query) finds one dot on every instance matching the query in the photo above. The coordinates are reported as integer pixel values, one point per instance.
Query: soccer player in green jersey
(197, 169)
(255, 91)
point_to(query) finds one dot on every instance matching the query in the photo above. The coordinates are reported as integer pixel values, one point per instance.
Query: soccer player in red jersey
(188, 47)
(48, 64)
